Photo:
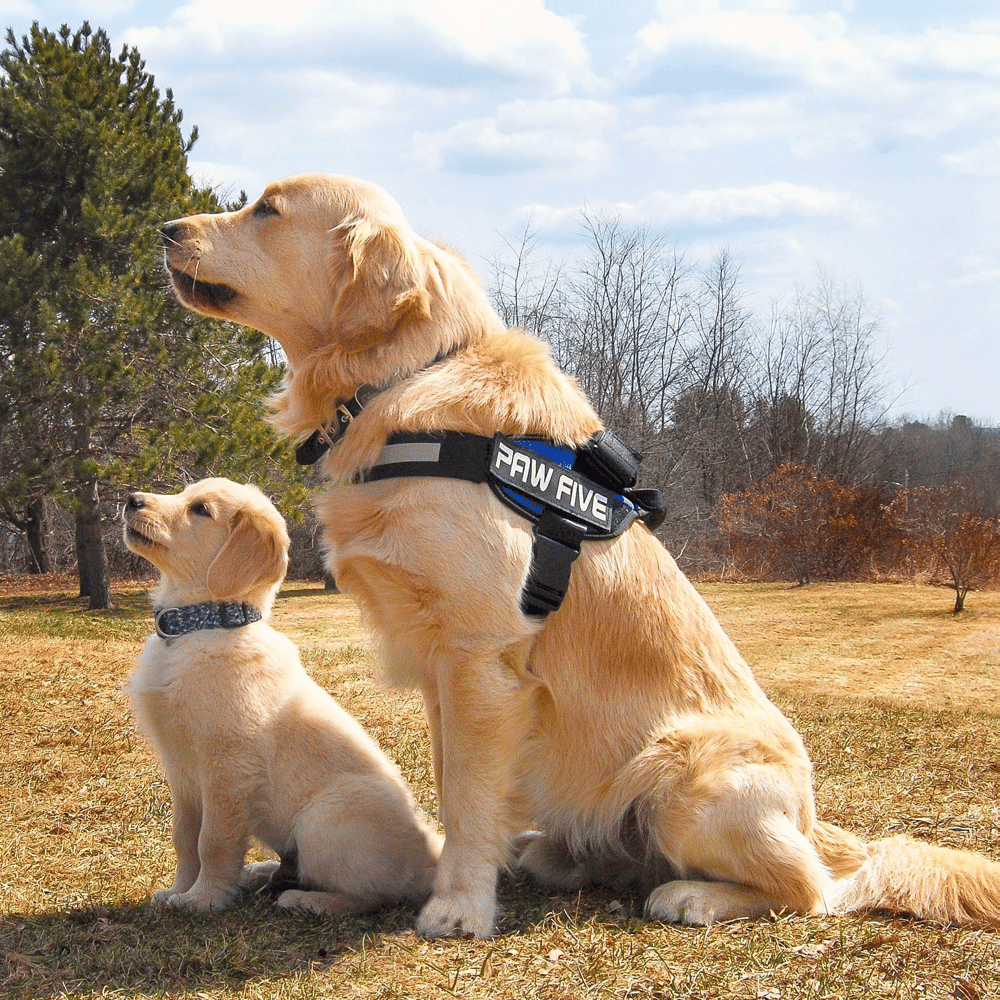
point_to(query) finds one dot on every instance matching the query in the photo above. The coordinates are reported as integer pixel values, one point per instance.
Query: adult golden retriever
(625, 727)
(251, 746)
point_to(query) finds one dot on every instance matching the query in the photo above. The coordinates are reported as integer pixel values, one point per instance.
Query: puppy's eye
(263, 209)
(201, 509)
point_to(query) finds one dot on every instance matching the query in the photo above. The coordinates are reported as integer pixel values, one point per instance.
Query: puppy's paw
(298, 900)
(322, 903)
(460, 914)
(201, 900)
(161, 898)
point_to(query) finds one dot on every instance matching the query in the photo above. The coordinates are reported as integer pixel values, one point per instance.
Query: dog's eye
(201, 509)
(263, 209)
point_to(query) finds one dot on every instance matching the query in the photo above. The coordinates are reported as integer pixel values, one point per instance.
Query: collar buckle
(160, 631)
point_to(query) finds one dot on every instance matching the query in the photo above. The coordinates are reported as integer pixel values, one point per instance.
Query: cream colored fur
(626, 728)
(251, 746)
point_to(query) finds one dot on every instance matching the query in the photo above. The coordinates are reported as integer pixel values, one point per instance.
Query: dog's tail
(903, 875)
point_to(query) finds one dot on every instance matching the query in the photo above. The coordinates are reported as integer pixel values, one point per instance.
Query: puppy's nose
(171, 233)
(134, 502)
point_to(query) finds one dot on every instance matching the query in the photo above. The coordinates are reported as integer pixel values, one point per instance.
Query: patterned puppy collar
(173, 622)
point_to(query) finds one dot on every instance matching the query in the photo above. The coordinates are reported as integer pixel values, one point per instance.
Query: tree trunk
(37, 534)
(960, 593)
(93, 560)
(82, 559)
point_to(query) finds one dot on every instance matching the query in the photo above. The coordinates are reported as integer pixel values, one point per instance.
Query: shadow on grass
(143, 951)
(148, 952)
(128, 605)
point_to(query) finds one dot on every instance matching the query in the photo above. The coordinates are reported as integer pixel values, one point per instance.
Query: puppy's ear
(384, 287)
(255, 555)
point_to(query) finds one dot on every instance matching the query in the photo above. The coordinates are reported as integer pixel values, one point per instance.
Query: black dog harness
(570, 495)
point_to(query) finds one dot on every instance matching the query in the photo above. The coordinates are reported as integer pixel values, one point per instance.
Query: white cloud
(518, 40)
(697, 126)
(945, 50)
(981, 160)
(565, 134)
(823, 51)
(815, 48)
(719, 207)
(832, 84)
(765, 202)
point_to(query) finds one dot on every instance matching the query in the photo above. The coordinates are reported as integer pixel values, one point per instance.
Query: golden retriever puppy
(251, 746)
(624, 727)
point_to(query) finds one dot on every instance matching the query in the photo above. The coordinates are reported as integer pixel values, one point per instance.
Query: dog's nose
(171, 233)
(134, 502)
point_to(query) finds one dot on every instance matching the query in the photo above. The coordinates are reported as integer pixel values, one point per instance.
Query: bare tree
(527, 288)
(626, 326)
(708, 417)
(615, 317)
(937, 521)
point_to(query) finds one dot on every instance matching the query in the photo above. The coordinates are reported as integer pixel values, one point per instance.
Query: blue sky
(863, 138)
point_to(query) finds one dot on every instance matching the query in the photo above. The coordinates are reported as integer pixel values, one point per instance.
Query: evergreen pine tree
(106, 383)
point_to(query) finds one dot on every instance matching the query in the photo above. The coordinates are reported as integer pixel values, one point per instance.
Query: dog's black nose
(171, 232)
(134, 502)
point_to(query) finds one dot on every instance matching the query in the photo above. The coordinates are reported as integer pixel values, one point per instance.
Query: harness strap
(542, 482)
(452, 455)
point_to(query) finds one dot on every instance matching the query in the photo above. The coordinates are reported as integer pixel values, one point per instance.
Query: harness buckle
(554, 549)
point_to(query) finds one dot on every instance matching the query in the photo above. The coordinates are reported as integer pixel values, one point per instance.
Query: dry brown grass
(897, 699)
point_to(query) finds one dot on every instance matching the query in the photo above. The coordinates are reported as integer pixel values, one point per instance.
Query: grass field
(898, 700)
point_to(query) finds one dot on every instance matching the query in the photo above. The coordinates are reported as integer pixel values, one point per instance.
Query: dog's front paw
(458, 915)
(201, 900)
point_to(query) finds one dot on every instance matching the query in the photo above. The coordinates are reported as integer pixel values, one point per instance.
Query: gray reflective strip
(420, 451)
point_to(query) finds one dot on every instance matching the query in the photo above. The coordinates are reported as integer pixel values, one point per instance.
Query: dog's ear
(384, 285)
(255, 555)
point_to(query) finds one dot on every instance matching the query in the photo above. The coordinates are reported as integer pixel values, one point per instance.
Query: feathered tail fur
(903, 875)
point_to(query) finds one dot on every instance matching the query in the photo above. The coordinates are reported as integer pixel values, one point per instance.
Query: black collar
(324, 438)
(173, 622)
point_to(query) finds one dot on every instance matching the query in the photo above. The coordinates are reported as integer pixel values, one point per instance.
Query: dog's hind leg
(361, 845)
(731, 812)
(549, 861)
(769, 869)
